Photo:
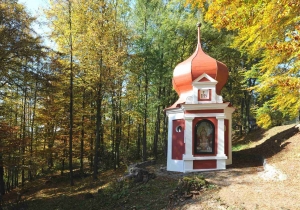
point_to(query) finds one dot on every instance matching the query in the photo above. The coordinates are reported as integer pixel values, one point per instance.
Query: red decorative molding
(204, 79)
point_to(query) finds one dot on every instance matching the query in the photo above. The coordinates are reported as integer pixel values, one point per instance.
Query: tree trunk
(12, 173)
(247, 111)
(98, 134)
(145, 119)
(118, 134)
(91, 149)
(16, 176)
(23, 136)
(165, 127)
(138, 142)
(242, 118)
(2, 184)
(62, 167)
(71, 99)
(82, 134)
(157, 127)
(8, 182)
(128, 133)
(113, 133)
(92, 137)
(32, 131)
(156, 133)
(113, 143)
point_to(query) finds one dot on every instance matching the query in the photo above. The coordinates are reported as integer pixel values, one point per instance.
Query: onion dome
(196, 65)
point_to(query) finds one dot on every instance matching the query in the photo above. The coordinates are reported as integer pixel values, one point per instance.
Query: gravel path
(250, 184)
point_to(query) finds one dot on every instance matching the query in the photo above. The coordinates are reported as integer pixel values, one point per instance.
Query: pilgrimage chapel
(199, 122)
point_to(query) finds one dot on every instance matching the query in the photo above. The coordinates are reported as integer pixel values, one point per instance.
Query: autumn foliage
(268, 31)
(96, 101)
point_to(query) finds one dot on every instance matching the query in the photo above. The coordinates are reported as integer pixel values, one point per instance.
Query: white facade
(208, 106)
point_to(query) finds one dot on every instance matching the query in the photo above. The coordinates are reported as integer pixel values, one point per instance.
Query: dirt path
(276, 185)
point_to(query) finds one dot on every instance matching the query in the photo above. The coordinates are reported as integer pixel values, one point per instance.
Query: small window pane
(178, 129)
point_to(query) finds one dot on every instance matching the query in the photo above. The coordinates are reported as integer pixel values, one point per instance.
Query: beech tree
(269, 33)
(20, 51)
(99, 50)
(99, 97)
(16, 39)
(62, 21)
(164, 38)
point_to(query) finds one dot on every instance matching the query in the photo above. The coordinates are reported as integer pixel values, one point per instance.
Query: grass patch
(239, 147)
(104, 194)
(187, 184)
(129, 195)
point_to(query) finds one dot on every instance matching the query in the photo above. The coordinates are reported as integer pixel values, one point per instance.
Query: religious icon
(204, 94)
(204, 137)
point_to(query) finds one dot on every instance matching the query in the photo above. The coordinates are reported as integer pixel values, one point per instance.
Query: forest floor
(248, 184)
(264, 175)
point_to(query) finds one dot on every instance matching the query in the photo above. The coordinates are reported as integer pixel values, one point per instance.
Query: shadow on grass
(254, 157)
(250, 161)
(153, 194)
(253, 136)
(150, 195)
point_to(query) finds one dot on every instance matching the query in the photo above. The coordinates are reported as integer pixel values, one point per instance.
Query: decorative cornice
(189, 117)
(174, 111)
(223, 157)
(206, 83)
(221, 117)
(204, 106)
(204, 75)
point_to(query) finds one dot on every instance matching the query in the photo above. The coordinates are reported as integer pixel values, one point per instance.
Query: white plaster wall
(188, 135)
(221, 164)
(221, 135)
(175, 165)
(186, 165)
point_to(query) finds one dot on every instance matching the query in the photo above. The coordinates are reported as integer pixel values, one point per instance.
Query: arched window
(204, 137)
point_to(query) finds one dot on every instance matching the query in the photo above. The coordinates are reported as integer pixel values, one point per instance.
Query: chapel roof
(193, 67)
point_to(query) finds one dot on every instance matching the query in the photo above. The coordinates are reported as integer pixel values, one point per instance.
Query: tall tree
(20, 50)
(268, 30)
(71, 95)
(99, 50)
(61, 15)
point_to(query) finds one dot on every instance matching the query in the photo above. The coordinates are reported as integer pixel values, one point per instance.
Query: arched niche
(204, 137)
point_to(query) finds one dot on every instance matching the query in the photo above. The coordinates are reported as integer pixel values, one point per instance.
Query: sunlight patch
(272, 173)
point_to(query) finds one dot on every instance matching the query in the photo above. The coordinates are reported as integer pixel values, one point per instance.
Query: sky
(35, 7)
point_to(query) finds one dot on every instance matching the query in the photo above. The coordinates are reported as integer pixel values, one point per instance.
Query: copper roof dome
(196, 65)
